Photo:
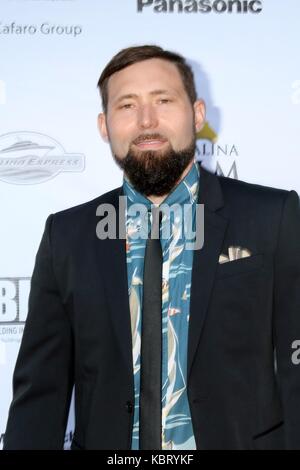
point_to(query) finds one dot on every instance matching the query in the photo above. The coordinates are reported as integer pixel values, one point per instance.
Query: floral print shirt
(177, 429)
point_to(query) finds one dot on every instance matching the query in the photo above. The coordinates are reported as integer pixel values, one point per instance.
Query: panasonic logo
(200, 6)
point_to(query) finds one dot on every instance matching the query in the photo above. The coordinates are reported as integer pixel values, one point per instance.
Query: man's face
(150, 117)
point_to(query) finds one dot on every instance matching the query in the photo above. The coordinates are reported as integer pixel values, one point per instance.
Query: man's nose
(147, 117)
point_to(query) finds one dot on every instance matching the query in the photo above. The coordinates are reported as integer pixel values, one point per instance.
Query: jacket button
(129, 406)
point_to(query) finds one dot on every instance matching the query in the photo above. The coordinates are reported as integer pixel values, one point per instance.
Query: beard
(154, 172)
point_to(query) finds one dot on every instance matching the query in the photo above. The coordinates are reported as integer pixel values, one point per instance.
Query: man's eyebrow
(160, 92)
(133, 95)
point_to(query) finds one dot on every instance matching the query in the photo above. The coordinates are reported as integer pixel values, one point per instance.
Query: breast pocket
(240, 266)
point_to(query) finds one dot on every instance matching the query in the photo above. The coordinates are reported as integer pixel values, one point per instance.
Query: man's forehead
(130, 95)
(154, 65)
(148, 76)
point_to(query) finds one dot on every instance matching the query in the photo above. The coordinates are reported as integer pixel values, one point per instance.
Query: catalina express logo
(31, 158)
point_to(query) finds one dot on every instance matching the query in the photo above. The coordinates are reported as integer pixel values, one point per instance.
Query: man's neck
(157, 200)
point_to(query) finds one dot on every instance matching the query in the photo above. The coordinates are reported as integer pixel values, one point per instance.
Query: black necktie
(151, 342)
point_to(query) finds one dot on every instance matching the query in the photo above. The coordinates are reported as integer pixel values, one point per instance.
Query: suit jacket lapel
(111, 256)
(206, 259)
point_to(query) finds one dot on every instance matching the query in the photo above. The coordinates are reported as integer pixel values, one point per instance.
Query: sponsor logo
(45, 29)
(220, 157)
(201, 6)
(14, 294)
(30, 158)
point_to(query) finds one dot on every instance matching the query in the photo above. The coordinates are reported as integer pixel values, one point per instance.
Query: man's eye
(165, 100)
(126, 106)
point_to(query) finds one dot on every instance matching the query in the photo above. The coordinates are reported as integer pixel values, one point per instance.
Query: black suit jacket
(243, 314)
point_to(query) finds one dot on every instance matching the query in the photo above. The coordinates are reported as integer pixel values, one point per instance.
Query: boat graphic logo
(31, 157)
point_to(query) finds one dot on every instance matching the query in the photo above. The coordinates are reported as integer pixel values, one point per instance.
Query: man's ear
(102, 127)
(200, 112)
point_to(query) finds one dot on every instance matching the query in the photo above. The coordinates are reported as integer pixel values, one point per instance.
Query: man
(230, 311)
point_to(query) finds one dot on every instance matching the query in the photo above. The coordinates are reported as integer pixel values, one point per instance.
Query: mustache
(145, 137)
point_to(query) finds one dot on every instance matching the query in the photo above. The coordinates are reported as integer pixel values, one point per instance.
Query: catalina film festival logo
(200, 6)
(216, 156)
(31, 158)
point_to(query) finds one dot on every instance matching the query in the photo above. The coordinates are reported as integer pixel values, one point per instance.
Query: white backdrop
(52, 52)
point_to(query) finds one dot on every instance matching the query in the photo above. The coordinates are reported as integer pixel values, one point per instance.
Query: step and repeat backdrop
(245, 56)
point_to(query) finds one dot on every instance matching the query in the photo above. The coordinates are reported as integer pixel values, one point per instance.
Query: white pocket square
(234, 253)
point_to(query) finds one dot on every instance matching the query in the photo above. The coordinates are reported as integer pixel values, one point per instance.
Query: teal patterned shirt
(177, 429)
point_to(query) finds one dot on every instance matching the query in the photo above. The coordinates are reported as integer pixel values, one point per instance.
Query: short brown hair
(132, 55)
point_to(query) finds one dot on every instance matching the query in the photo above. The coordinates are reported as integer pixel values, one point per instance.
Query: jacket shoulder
(234, 187)
(86, 208)
(253, 198)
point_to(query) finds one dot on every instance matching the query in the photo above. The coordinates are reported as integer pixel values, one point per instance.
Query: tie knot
(156, 222)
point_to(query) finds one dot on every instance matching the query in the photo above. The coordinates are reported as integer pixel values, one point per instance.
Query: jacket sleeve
(287, 316)
(43, 375)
